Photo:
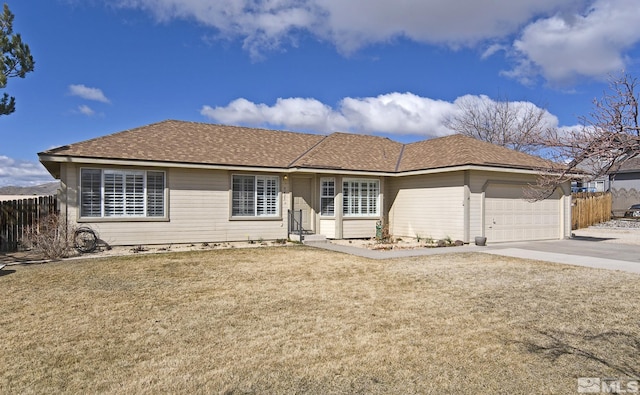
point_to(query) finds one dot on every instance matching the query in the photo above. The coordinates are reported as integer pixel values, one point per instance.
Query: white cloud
(565, 47)
(294, 113)
(88, 93)
(556, 39)
(86, 110)
(393, 113)
(22, 173)
(397, 113)
(352, 24)
(355, 23)
(492, 49)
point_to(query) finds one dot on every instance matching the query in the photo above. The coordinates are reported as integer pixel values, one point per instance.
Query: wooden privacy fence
(16, 216)
(590, 208)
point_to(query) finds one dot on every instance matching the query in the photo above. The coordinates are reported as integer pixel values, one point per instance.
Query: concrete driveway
(605, 249)
(580, 252)
(613, 249)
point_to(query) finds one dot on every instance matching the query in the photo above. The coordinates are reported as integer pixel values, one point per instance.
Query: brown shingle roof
(458, 150)
(191, 142)
(630, 165)
(200, 143)
(353, 152)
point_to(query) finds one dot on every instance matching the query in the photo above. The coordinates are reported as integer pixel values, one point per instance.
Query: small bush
(50, 237)
(386, 237)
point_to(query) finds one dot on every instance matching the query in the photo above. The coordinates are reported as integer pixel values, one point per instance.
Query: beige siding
(557, 207)
(427, 206)
(69, 184)
(328, 228)
(511, 217)
(356, 228)
(198, 208)
(478, 182)
(566, 221)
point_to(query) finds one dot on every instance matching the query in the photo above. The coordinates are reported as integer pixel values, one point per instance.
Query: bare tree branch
(516, 125)
(609, 136)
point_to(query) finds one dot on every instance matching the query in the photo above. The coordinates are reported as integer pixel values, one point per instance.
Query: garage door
(510, 217)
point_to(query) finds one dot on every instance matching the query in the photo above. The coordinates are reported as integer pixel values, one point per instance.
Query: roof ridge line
(400, 158)
(309, 150)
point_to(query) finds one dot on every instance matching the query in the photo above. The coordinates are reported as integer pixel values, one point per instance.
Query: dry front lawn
(300, 320)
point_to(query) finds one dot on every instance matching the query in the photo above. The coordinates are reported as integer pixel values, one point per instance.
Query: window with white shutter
(255, 196)
(327, 195)
(91, 193)
(155, 194)
(122, 193)
(360, 197)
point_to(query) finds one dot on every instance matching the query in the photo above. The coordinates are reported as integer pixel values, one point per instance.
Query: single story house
(625, 186)
(186, 182)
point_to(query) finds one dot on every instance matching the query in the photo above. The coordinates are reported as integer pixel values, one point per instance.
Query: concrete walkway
(382, 254)
(578, 251)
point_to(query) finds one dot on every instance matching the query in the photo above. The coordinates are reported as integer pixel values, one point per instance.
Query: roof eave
(52, 164)
(471, 166)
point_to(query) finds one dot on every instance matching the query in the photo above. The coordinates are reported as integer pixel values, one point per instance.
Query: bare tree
(609, 136)
(516, 125)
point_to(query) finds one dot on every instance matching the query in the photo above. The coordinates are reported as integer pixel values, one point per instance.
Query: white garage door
(510, 217)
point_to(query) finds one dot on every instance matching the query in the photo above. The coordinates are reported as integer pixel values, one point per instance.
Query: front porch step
(314, 239)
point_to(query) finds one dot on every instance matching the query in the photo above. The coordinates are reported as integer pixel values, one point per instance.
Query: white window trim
(344, 196)
(256, 177)
(135, 217)
(322, 181)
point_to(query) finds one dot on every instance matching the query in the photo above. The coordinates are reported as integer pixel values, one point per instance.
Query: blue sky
(362, 66)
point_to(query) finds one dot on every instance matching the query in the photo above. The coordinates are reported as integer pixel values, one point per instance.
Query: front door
(301, 191)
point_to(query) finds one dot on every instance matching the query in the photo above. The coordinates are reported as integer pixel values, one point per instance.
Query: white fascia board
(340, 171)
(144, 163)
(512, 170)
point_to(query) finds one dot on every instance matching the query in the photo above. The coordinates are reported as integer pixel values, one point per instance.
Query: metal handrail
(293, 222)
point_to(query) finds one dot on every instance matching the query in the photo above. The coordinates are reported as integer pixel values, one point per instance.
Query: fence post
(17, 216)
(590, 208)
(3, 226)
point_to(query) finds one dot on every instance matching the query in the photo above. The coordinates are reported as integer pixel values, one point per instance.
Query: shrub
(50, 237)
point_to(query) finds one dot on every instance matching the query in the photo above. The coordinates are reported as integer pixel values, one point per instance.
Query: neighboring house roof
(630, 166)
(209, 144)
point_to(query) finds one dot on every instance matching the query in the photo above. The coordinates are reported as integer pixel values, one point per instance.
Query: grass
(300, 320)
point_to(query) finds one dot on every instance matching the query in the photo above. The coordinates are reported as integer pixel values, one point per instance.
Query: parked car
(633, 211)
